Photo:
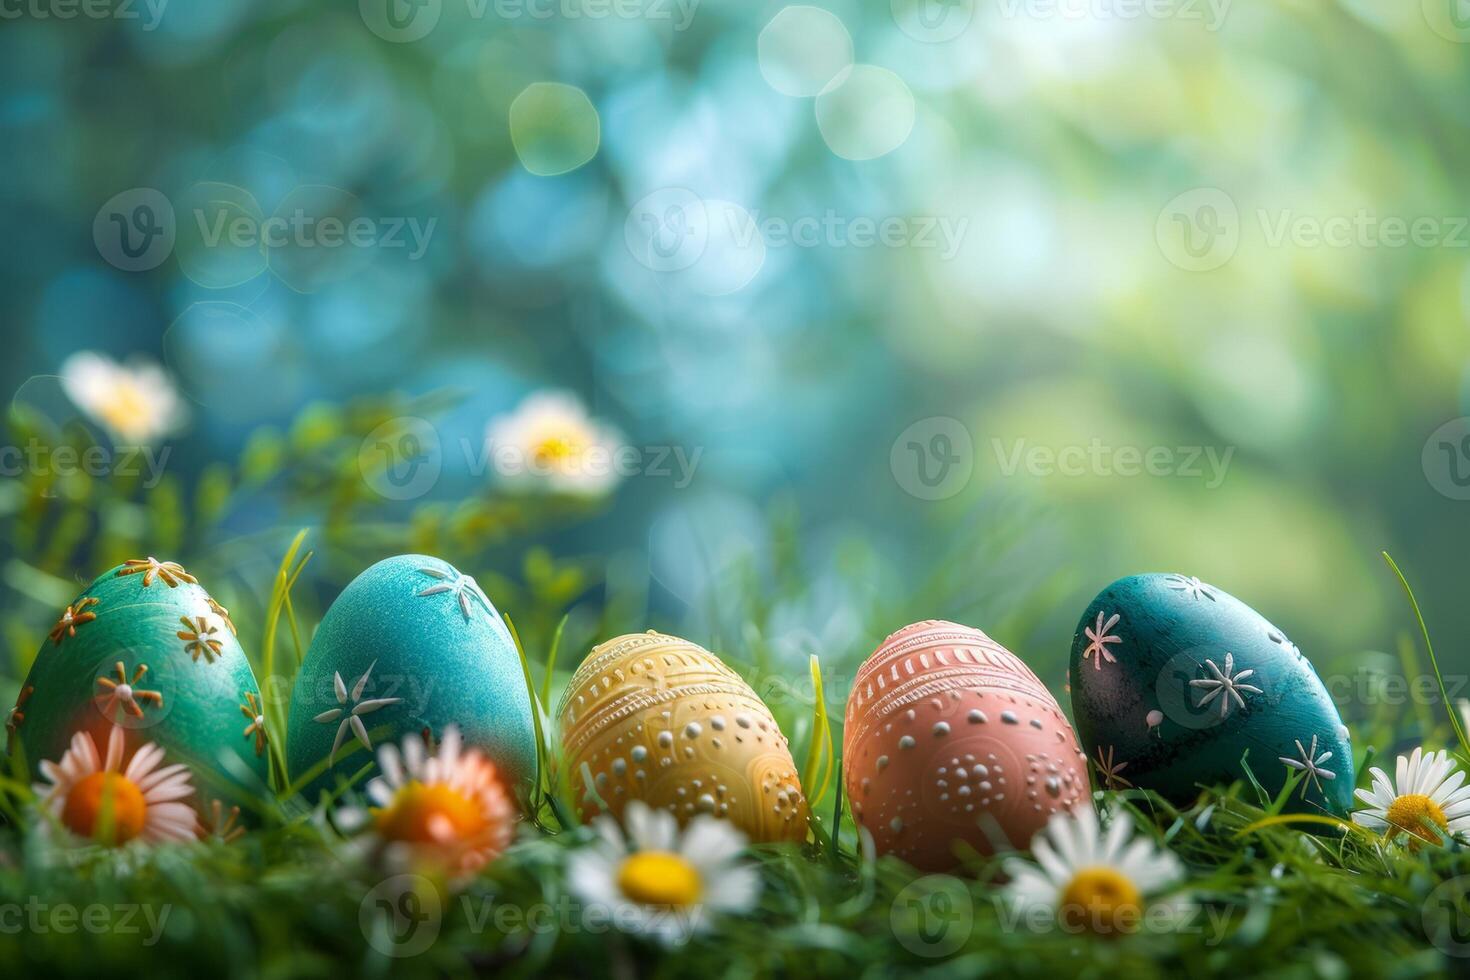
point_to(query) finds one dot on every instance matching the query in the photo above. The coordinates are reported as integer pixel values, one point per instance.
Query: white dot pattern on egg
(648, 716)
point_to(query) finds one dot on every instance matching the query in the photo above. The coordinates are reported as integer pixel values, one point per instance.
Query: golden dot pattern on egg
(656, 718)
(949, 736)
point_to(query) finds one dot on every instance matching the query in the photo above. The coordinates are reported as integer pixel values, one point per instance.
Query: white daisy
(136, 403)
(659, 882)
(1092, 880)
(448, 806)
(141, 800)
(1428, 792)
(550, 443)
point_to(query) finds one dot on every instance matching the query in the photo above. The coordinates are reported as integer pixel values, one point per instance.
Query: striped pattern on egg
(949, 737)
(656, 718)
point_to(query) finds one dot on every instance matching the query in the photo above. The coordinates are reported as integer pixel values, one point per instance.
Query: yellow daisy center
(110, 793)
(659, 878)
(1408, 812)
(558, 448)
(125, 409)
(1103, 900)
(430, 814)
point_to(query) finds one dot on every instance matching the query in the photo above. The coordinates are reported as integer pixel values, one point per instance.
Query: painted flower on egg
(145, 649)
(1177, 685)
(412, 646)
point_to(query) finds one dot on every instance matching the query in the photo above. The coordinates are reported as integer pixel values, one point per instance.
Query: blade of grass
(551, 660)
(1444, 693)
(280, 600)
(536, 786)
(1290, 818)
(818, 771)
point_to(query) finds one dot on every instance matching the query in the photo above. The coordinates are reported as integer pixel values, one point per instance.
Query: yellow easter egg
(659, 719)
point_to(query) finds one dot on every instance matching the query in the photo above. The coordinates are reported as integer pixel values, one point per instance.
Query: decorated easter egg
(1175, 683)
(659, 719)
(146, 649)
(950, 738)
(412, 645)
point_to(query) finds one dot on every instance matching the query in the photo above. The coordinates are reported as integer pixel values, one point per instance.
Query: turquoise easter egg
(146, 648)
(1177, 684)
(411, 646)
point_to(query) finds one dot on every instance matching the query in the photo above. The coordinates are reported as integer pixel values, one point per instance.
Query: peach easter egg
(659, 719)
(950, 738)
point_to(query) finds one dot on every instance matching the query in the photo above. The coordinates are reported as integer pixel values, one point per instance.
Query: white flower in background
(1427, 792)
(448, 805)
(136, 403)
(141, 800)
(550, 444)
(658, 882)
(1094, 880)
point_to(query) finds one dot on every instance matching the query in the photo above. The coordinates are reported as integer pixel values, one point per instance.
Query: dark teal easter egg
(411, 646)
(146, 648)
(1175, 682)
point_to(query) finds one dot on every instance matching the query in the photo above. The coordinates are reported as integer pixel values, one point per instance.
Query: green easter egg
(145, 648)
(411, 646)
(1174, 682)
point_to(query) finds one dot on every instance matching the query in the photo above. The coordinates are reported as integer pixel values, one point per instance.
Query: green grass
(287, 902)
(1278, 895)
